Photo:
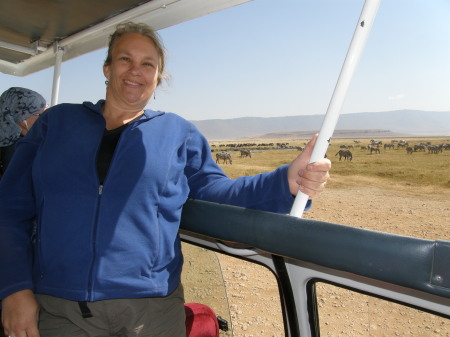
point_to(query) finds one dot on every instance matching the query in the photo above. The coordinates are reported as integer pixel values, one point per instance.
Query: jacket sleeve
(266, 191)
(17, 214)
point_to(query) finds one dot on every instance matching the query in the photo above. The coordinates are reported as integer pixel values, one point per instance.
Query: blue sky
(283, 57)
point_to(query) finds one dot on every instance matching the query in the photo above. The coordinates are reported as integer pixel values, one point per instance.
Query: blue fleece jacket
(119, 240)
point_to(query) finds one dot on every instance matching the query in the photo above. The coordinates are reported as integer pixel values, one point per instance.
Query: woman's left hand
(308, 178)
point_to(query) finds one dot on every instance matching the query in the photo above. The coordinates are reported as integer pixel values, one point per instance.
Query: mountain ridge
(395, 123)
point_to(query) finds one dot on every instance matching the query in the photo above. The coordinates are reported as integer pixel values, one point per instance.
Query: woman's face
(133, 71)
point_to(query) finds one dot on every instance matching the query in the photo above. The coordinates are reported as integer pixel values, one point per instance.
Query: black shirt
(106, 150)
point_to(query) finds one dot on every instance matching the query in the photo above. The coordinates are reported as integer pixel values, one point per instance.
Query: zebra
(373, 149)
(402, 143)
(246, 153)
(434, 149)
(420, 147)
(376, 143)
(409, 150)
(225, 156)
(346, 154)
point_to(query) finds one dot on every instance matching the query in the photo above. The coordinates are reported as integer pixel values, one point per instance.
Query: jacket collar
(98, 109)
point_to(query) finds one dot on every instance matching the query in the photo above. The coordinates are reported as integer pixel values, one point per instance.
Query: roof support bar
(15, 47)
(354, 53)
(57, 74)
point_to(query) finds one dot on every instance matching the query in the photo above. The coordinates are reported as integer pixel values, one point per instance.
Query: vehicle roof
(32, 31)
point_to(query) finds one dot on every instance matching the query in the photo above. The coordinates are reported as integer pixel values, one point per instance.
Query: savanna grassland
(421, 168)
(390, 191)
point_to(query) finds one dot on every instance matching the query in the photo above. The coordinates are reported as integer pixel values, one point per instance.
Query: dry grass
(392, 167)
(390, 192)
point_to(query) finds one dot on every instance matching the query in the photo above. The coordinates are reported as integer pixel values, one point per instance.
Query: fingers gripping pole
(359, 39)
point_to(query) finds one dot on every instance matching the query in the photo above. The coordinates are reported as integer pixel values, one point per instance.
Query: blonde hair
(145, 30)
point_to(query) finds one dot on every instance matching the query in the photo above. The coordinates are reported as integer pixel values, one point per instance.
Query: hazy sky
(283, 57)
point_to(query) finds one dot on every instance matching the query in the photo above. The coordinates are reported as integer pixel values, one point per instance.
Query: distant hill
(356, 133)
(388, 123)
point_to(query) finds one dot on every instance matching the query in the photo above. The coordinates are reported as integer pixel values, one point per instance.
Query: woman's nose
(135, 68)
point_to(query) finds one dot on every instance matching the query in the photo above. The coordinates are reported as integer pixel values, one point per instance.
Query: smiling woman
(133, 68)
(117, 176)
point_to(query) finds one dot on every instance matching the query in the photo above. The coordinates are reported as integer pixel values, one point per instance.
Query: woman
(108, 205)
(19, 109)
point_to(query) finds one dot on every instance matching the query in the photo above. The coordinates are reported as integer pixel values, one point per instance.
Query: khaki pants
(143, 317)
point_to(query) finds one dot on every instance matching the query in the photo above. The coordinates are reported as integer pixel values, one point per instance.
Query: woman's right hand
(20, 314)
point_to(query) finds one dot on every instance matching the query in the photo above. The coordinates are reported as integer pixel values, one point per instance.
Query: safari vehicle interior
(304, 256)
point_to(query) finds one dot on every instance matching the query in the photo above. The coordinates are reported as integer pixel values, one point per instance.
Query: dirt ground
(393, 208)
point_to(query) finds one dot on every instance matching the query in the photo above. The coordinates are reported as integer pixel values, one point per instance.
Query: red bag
(201, 321)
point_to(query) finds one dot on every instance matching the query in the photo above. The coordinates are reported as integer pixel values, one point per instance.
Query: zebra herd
(374, 147)
(432, 149)
(225, 157)
(257, 146)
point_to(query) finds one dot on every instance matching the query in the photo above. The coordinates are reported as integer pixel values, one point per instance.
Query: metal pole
(57, 74)
(360, 36)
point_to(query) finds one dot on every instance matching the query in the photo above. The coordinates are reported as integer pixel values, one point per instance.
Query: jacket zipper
(94, 241)
(94, 227)
(96, 218)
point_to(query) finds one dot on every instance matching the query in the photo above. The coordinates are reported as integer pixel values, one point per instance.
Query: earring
(106, 82)
(154, 95)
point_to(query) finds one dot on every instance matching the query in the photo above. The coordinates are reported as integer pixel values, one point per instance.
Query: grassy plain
(391, 192)
(389, 168)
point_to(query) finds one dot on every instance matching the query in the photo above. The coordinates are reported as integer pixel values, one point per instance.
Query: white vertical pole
(360, 36)
(57, 74)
